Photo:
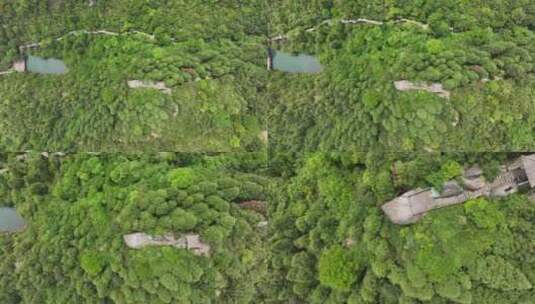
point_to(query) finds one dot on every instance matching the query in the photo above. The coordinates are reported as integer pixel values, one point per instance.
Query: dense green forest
(479, 51)
(210, 55)
(330, 242)
(327, 240)
(78, 207)
(159, 184)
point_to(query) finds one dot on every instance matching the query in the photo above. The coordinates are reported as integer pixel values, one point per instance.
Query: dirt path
(99, 32)
(353, 21)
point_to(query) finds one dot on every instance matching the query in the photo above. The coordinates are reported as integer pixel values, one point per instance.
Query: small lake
(45, 66)
(301, 63)
(10, 220)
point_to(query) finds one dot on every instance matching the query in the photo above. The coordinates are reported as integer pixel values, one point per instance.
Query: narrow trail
(99, 32)
(352, 21)
(7, 72)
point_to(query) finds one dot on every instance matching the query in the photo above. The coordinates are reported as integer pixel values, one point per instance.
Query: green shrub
(337, 268)
(183, 177)
(92, 262)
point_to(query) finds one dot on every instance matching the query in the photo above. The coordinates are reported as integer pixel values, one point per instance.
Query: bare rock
(435, 88)
(160, 85)
(473, 172)
(451, 188)
(190, 242)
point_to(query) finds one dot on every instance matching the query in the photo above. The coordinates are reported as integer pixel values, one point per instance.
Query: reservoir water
(10, 220)
(45, 66)
(301, 63)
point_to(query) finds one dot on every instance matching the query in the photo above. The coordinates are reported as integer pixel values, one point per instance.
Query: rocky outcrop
(473, 179)
(160, 85)
(472, 172)
(190, 242)
(435, 88)
(451, 188)
(409, 207)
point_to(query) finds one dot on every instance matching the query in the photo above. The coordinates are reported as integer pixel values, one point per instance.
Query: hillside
(331, 243)
(78, 208)
(209, 58)
(477, 54)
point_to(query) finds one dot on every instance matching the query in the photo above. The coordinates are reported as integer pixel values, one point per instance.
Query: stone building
(412, 205)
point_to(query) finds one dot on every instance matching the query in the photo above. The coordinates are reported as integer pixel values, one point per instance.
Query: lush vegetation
(79, 206)
(477, 50)
(210, 55)
(330, 242)
(327, 239)
(295, 220)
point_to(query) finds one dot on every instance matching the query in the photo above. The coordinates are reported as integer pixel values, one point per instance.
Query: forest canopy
(476, 52)
(179, 161)
(78, 207)
(210, 58)
(330, 242)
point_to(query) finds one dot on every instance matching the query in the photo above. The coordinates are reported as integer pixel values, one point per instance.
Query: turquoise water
(295, 63)
(45, 66)
(10, 220)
